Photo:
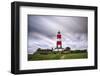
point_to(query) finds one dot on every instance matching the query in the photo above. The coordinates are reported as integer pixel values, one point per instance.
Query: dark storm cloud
(37, 24)
(43, 30)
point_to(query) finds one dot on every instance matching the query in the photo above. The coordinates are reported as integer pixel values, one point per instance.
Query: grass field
(56, 56)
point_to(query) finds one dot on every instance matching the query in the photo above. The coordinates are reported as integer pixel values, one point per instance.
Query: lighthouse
(59, 41)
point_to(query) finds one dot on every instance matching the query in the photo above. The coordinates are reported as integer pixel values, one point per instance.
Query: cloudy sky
(42, 31)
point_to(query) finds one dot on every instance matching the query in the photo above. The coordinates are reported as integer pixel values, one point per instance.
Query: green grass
(75, 56)
(58, 55)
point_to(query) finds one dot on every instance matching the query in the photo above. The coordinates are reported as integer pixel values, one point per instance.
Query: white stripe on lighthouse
(58, 39)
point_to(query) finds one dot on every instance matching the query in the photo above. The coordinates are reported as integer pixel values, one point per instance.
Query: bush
(67, 49)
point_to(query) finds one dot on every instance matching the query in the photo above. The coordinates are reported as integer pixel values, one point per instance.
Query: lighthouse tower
(59, 42)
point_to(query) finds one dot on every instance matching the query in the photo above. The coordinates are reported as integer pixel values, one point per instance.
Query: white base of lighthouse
(60, 49)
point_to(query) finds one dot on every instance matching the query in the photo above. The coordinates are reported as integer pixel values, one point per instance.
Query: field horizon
(58, 55)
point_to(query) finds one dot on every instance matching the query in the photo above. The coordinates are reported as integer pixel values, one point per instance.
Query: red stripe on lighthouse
(58, 36)
(59, 43)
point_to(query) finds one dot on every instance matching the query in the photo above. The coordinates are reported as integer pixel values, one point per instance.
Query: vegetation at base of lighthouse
(55, 55)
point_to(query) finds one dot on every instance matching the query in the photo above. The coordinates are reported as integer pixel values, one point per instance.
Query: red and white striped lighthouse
(59, 42)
